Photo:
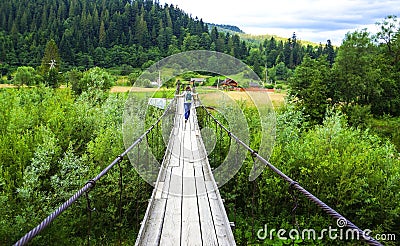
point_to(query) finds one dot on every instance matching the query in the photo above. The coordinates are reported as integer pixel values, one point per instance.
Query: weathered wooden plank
(167, 160)
(174, 161)
(167, 181)
(222, 227)
(191, 234)
(159, 190)
(197, 155)
(162, 171)
(153, 227)
(171, 234)
(177, 145)
(194, 145)
(187, 146)
(207, 171)
(208, 235)
(189, 187)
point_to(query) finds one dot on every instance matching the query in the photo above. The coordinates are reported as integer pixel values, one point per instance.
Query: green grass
(164, 93)
(211, 81)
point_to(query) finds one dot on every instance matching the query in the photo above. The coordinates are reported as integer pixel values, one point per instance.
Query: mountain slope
(225, 28)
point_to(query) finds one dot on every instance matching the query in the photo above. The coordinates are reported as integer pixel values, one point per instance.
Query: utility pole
(52, 64)
(159, 78)
(266, 67)
(266, 73)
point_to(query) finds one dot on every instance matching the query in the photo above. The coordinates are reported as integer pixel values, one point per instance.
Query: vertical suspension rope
(252, 214)
(145, 154)
(157, 139)
(295, 205)
(252, 202)
(220, 145)
(120, 183)
(215, 153)
(138, 184)
(90, 210)
(237, 161)
(151, 140)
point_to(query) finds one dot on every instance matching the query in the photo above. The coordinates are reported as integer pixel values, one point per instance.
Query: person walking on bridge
(188, 102)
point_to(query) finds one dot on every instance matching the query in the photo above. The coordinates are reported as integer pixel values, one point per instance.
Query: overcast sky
(312, 20)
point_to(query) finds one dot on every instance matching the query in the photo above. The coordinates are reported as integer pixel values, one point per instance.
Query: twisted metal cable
(330, 211)
(120, 183)
(90, 184)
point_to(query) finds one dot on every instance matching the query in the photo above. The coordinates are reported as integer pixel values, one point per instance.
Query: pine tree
(50, 54)
(330, 53)
(102, 35)
(214, 34)
(141, 31)
(52, 79)
(51, 64)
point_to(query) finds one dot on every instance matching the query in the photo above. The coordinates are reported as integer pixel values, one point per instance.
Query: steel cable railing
(369, 240)
(89, 184)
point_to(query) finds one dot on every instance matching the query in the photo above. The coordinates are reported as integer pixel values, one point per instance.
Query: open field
(277, 98)
(262, 97)
(116, 89)
(7, 86)
(210, 96)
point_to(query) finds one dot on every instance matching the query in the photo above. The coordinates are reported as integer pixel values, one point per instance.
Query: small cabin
(199, 81)
(254, 85)
(229, 83)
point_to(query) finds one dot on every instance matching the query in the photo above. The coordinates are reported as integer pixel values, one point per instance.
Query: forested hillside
(118, 32)
(226, 27)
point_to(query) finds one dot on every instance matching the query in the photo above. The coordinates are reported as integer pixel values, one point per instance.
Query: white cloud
(313, 20)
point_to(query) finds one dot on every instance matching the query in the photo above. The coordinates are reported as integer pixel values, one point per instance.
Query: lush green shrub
(358, 115)
(353, 171)
(388, 128)
(50, 145)
(125, 69)
(93, 79)
(269, 86)
(189, 75)
(25, 76)
(132, 77)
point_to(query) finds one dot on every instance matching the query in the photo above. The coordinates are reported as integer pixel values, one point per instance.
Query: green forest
(128, 35)
(337, 132)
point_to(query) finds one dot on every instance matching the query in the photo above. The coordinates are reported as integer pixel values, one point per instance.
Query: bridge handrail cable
(330, 211)
(89, 184)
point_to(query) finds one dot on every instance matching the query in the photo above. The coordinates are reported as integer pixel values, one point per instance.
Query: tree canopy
(113, 33)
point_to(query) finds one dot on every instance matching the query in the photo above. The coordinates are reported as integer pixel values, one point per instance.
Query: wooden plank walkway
(186, 207)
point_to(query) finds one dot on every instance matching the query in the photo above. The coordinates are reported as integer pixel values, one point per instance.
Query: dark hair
(188, 88)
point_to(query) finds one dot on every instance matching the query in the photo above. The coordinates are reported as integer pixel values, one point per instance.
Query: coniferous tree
(51, 58)
(309, 86)
(102, 35)
(329, 52)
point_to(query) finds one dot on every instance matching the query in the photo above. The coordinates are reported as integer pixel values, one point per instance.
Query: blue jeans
(187, 110)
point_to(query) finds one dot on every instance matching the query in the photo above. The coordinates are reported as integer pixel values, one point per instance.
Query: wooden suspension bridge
(186, 207)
